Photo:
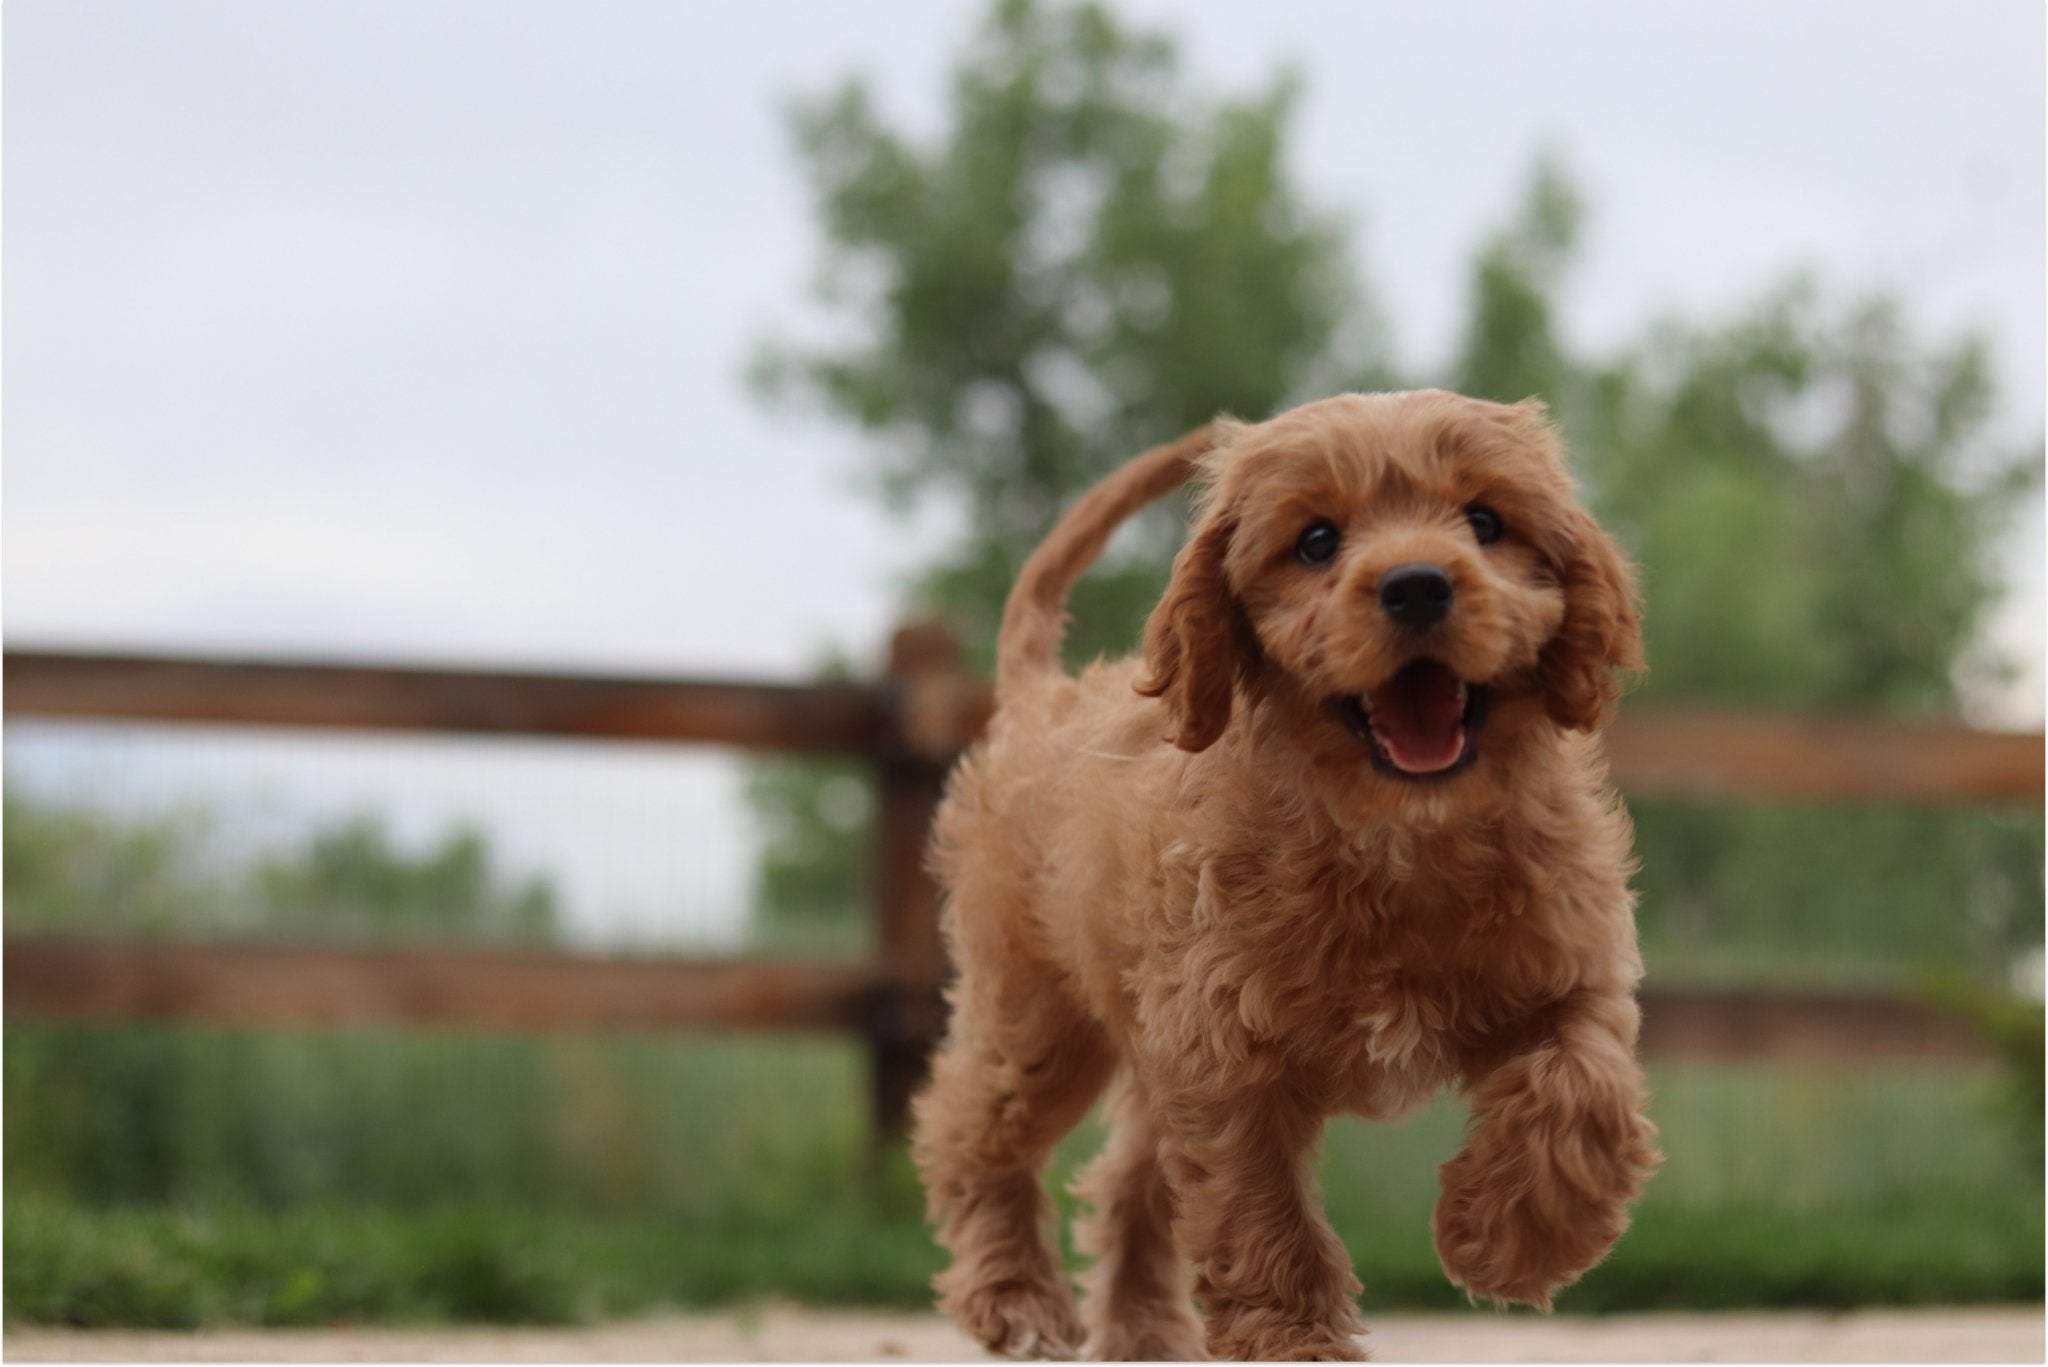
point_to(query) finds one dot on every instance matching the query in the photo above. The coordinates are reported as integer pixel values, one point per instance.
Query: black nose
(1416, 596)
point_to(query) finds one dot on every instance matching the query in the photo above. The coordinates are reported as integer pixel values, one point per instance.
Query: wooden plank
(1802, 1027)
(262, 984)
(826, 718)
(1694, 753)
(269, 985)
(1709, 754)
(1716, 754)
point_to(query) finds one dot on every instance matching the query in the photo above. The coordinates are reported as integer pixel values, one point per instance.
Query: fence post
(938, 711)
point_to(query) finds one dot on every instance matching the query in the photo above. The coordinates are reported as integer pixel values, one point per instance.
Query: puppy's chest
(1377, 986)
(1403, 993)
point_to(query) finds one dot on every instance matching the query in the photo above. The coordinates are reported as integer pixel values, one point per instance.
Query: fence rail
(1711, 754)
(816, 718)
(263, 983)
(444, 987)
(1653, 753)
(909, 724)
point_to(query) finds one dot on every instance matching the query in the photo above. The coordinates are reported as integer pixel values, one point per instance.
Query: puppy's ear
(1600, 638)
(1195, 646)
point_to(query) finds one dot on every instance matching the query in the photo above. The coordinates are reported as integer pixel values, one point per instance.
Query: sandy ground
(779, 1334)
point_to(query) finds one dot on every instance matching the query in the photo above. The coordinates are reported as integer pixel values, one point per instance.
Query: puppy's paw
(1502, 1237)
(1021, 1319)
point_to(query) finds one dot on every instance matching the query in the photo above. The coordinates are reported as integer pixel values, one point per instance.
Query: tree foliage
(1814, 493)
(1091, 258)
(71, 868)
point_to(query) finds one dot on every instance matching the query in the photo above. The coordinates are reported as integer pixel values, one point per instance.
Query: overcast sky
(415, 330)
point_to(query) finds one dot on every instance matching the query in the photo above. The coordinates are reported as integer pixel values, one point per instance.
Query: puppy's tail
(1034, 616)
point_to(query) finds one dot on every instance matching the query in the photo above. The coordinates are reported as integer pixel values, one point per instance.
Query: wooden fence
(909, 725)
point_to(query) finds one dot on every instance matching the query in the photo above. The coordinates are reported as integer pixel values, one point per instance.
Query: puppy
(1341, 837)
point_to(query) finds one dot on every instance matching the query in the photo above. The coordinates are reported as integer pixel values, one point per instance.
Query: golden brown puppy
(1341, 837)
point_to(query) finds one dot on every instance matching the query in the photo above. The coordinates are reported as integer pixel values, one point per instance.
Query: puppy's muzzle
(1417, 596)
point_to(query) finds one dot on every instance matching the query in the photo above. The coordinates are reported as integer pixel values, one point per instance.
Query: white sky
(415, 331)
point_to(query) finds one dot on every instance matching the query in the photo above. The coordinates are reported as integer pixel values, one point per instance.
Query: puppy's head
(1404, 580)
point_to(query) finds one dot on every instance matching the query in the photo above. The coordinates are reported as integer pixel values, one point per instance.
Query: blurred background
(715, 341)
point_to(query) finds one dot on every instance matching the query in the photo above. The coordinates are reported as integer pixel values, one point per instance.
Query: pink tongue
(1418, 717)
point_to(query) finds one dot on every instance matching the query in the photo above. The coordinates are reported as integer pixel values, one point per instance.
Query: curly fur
(1185, 871)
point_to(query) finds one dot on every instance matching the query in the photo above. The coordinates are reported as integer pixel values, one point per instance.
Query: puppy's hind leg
(1138, 1306)
(1019, 1068)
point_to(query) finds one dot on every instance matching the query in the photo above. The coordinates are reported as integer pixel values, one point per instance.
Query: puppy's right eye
(1318, 543)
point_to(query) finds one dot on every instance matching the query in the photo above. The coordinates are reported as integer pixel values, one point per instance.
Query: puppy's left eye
(1318, 543)
(1486, 523)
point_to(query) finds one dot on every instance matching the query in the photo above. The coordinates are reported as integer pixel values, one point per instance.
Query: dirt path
(781, 1334)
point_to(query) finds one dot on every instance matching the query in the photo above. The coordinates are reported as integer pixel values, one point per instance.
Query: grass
(172, 1268)
(422, 1179)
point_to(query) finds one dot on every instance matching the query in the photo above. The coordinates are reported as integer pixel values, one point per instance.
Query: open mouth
(1422, 723)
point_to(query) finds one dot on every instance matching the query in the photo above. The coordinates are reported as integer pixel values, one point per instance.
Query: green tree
(1096, 255)
(1510, 348)
(1813, 491)
(1856, 469)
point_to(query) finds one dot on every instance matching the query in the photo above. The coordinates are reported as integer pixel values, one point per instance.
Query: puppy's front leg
(1274, 1279)
(1557, 1147)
